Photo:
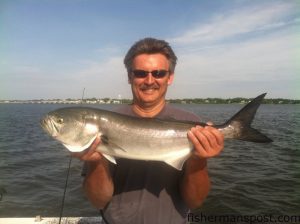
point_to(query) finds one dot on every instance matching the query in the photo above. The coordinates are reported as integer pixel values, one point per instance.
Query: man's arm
(208, 142)
(98, 185)
(195, 184)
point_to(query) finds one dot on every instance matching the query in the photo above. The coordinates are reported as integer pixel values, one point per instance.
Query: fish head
(75, 128)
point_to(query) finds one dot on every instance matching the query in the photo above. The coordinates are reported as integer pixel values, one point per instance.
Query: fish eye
(60, 120)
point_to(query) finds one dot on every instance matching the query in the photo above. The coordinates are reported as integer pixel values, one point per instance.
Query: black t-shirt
(147, 191)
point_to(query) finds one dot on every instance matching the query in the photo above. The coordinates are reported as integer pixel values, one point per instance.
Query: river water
(247, 178)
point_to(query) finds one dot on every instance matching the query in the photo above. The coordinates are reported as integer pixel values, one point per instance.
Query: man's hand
(208, 141)
(90, 154)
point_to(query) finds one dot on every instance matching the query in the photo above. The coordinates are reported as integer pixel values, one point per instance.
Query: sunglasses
(155, 73)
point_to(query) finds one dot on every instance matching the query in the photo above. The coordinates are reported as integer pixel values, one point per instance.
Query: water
(247, 178)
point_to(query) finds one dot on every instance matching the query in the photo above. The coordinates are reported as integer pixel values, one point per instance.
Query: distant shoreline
(237, 100)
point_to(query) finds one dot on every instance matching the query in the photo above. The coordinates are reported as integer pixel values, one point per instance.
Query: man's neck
(148, 110)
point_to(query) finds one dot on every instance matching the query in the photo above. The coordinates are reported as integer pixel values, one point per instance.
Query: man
(149, 191)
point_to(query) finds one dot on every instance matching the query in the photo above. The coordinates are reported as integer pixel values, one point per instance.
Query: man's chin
(149, 101)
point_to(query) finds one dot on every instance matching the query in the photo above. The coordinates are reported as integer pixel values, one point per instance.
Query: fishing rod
(65, 190)
(82, 95)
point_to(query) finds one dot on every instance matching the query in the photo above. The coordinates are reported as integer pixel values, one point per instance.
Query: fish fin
(177, 163)
(75, 148)
(105, 140)
(242, 120)
(253, 135)
(110, 158)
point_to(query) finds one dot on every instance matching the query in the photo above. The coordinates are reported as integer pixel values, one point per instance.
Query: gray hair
(150, 46)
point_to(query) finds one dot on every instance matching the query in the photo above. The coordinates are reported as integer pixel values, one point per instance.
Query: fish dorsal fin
(75, 148)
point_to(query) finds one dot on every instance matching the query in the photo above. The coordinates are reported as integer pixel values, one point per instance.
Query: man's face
(150, 90)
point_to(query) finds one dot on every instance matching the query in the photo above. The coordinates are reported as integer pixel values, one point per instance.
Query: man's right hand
(90, 154)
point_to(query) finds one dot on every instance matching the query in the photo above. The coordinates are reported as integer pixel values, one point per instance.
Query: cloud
(213, 61)
(269, 55)
(111, 65)
(108, 50)
(237, 22)
(20, 70)
(106, 78)
(239, 52)
(261, 61)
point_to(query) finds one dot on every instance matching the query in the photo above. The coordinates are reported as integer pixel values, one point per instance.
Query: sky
(237, 48)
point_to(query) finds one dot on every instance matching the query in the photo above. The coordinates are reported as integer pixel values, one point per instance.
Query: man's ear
(171, 78)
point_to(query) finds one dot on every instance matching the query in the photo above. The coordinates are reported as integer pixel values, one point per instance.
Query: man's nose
(149, 79)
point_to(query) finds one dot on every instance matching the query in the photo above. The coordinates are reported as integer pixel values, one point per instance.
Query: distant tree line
(238, 100)
(106, 100)
(232, 100)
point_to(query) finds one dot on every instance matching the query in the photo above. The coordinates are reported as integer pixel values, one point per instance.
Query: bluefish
(141, 138)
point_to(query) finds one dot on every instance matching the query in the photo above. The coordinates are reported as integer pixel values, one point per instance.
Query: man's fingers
(95, 143)
(90, 154)
(210, 138)
(207, 141)
(217, 134)
(201, 135)
(198, 146)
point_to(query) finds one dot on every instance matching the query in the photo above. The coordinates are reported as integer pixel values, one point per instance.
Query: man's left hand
(208, 141)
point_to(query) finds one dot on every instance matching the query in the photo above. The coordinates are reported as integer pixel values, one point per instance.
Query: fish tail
(242, 120)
